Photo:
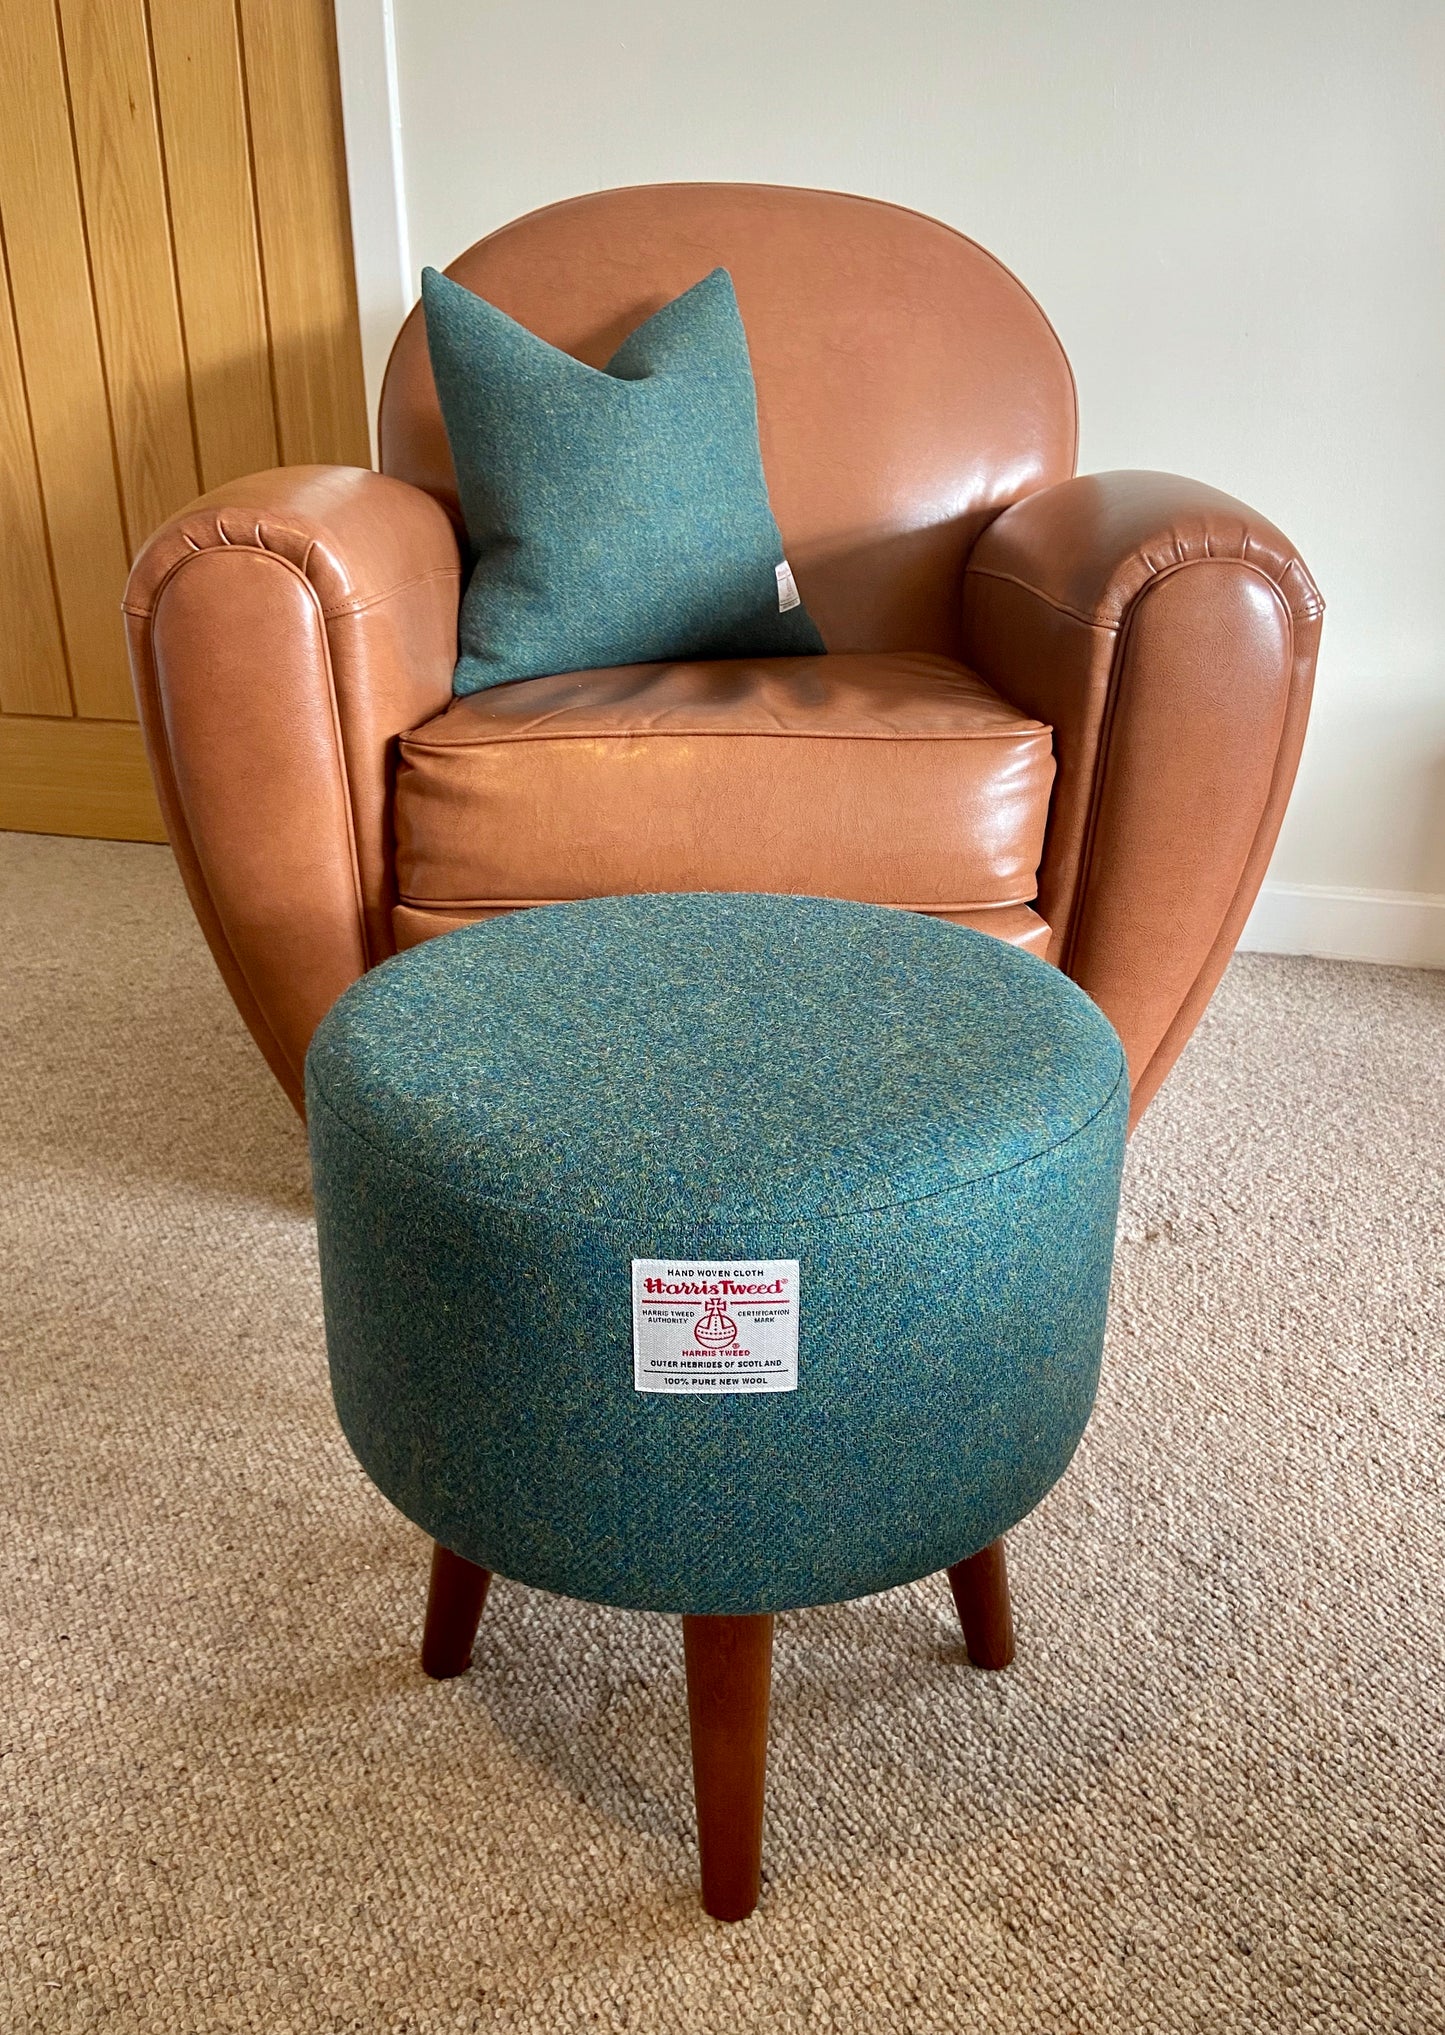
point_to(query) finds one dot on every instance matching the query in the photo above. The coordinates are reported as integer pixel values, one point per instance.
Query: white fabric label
(700, 1327)
(788, 595)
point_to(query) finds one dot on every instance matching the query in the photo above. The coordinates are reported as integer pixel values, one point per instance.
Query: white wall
(1233, 216)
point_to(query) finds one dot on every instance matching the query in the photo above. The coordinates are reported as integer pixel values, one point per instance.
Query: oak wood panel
(117, 142)
(178, 309)
(305, 220)
(76, 777)
(32, 650)
(59, 344)
(213, 218)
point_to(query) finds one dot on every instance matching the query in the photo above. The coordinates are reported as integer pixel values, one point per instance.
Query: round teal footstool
(715, 1255)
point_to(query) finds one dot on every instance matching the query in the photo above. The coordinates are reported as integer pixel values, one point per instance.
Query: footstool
(715, 1255)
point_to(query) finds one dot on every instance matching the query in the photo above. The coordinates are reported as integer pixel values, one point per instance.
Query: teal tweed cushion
(615, 517)
(929, 1122)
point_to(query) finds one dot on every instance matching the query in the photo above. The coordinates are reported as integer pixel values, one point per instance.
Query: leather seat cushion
(895, 779)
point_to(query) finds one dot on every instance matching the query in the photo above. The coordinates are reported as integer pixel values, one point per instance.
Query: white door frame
(375, 171)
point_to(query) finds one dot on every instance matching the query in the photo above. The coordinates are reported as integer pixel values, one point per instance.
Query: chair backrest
(909, 387)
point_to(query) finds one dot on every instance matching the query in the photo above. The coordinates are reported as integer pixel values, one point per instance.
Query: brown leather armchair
(1067, 711)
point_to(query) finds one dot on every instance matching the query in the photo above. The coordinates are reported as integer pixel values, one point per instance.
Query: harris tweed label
(700, 1326)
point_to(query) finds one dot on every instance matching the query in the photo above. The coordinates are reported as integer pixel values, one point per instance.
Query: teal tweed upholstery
(616, 517)
(931, 1122)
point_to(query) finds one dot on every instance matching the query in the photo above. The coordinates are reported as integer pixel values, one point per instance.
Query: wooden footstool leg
(729, 1673)
(980, 1590)
(453, 1612)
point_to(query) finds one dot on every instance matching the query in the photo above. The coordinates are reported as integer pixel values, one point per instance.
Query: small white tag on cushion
(788, 595)
(730, 1327)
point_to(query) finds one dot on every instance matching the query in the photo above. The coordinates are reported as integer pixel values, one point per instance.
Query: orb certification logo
(715, 1330)
(730, 1326)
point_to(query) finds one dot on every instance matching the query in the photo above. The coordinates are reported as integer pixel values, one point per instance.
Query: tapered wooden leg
(729, 1673)
(453, 1612)
(980, 1590)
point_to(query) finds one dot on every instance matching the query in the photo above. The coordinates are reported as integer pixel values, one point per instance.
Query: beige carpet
(1208, 1797)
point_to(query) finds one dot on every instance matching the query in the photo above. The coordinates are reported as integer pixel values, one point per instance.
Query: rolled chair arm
(1169, 635)
(283, 631)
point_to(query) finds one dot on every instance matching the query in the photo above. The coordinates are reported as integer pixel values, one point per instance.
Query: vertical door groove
(123, 187)
(239, 29)
(148, 33)
(305, 215)
(34, 678)
(213, 222)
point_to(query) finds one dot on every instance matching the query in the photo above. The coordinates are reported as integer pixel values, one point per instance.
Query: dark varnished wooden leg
(453, 1612)
(980, 1590)
(729, 1673)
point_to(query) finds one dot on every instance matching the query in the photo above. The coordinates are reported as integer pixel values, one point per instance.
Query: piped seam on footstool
(824, 1214)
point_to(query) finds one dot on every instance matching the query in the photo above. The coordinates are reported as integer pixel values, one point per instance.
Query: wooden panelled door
(177, 307)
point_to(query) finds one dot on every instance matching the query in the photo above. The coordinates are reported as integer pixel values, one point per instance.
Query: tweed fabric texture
(618, 516)
(929, 1121)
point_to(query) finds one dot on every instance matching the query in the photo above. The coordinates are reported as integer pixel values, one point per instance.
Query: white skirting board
(1402, 928)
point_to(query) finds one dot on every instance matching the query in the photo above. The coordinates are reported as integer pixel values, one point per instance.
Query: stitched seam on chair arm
(144, 610)
(359, 606)
(1062, 607)
(1308, 611)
